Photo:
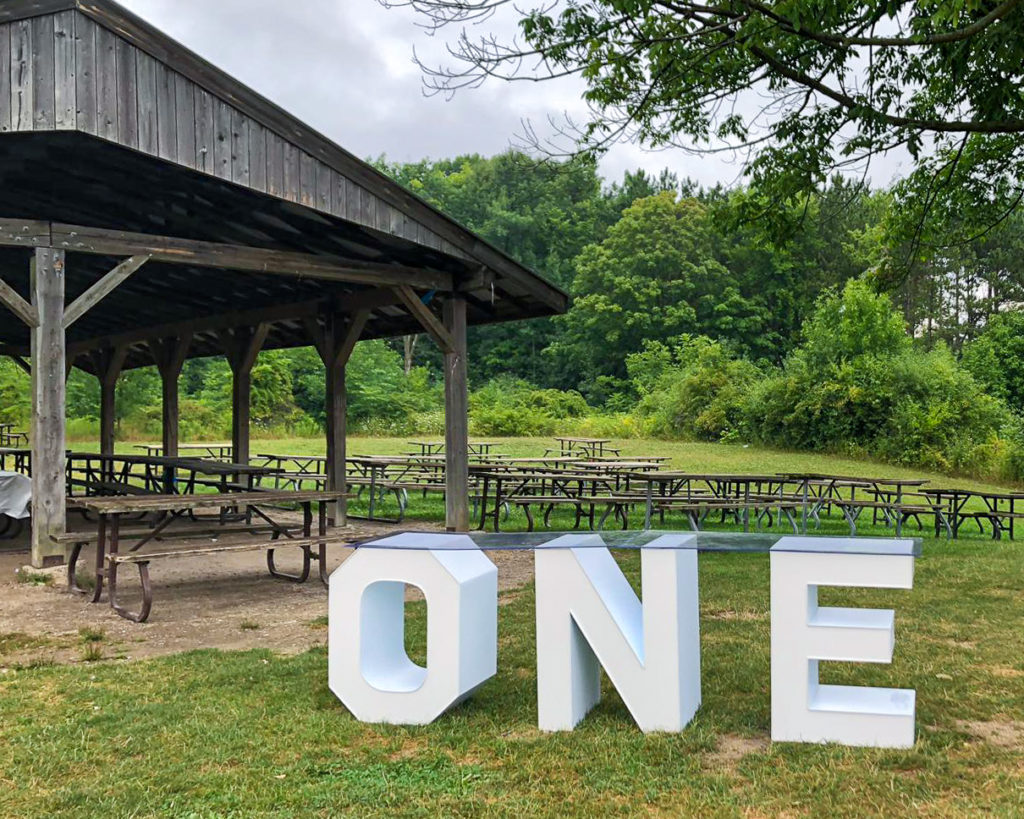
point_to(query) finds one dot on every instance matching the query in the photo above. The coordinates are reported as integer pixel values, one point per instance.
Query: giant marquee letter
(368, 667)
(588, 616)
(804, 633)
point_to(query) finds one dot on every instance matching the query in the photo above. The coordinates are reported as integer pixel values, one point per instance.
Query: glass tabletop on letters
(649, 539)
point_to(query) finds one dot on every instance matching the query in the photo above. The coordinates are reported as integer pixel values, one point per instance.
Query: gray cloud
(346, 68)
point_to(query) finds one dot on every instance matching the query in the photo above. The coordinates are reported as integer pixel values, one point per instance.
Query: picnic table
(217, 452)
(118, 474)
(292, 471)
(1001, 517)
(15, 503)
(9, 436)
(20, 458)
(546, 488)
(173, 508)
(437, 447)
(820, 490)
(590, 447)
(735, 493)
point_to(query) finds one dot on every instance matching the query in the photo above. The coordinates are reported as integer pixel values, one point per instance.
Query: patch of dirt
(733, 747)
(1008, 734)
(731, 614)
(226, 601)
(1004, 671)
(410, 748)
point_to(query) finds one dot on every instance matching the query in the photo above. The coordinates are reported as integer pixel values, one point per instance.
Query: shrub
(694, 388)
(861, 388)
(515, 408)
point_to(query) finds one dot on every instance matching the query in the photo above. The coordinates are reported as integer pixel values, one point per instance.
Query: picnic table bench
(216, 452)
(617, 504)
(20, 459)
(172, 508)
(1001, 517)
(11, 437)
(589, 447)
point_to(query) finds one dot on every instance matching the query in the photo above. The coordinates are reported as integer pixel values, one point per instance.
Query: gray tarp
(15, 495)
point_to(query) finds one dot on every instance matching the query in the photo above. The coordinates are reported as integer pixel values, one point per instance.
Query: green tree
(654, 277)
(542, 214)
(996, 358)
(810, 87)
(15, 401)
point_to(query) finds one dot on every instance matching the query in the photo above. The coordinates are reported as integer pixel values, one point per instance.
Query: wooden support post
(456, 418)
(108, 363)
(241, 346)
(335, 343)
(169, 355)
(48, 421)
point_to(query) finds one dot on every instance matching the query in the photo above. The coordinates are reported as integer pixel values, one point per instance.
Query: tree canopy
(803, 88)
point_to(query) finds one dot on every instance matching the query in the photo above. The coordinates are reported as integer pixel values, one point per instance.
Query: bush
(511, 407)
(868, 391)
(693, 388)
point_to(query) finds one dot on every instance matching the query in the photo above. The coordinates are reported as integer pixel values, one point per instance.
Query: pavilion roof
(117, 140)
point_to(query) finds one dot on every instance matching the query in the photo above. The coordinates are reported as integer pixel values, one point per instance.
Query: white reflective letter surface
(368, 667)
(588, 616)
(804, 634)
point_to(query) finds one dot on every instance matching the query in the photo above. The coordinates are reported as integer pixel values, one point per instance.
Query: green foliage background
(688, 320)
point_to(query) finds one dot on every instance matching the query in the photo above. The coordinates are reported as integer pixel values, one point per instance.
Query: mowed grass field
(252, 733)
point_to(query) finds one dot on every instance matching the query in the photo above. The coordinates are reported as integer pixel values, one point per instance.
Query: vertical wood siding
(65, 72)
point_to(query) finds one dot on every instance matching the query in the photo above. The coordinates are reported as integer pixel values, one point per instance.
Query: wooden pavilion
(154, 209)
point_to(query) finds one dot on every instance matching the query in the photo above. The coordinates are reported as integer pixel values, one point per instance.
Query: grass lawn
(238, 734)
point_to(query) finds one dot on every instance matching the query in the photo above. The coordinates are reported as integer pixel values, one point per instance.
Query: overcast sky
(346, 68)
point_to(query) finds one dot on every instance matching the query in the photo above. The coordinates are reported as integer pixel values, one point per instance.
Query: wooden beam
(24, 233)
(11, 299)
(169, 355)
(456, 419)
(48, 393)
(22, 364)
(353, 331)
(247, 259)
(318, 337)
(431, 323)
(108, 364)
(242, 346)
(347, 303)
(102, 288)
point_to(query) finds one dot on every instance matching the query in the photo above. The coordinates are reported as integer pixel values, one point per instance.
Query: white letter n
(588, 616)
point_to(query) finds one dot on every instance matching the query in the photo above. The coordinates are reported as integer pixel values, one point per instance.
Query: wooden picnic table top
(204, 466)
(442, 443)
(546, 475)
(172, 503)
(15, 450)
(535, 459)
(322, 458)
(612, 465)
(815, 476)
(974, 493)
(569, 440)
(190, 447)
(669, 477)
